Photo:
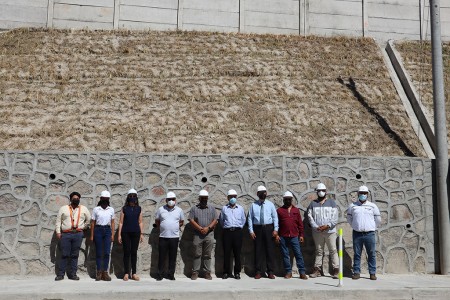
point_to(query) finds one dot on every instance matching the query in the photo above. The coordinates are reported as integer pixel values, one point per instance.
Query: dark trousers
(70, 244)
(264, 246)
(130, 243)
(167, 246)
(102, 239)
(232, 241)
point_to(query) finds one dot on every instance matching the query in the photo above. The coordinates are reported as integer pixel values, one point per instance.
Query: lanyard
(72, 218)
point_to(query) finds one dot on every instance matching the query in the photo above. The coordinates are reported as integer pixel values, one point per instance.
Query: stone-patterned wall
(34, 185)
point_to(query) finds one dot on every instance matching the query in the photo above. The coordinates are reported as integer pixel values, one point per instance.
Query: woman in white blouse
(102, 233)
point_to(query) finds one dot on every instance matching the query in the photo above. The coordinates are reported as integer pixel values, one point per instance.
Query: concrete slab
(386, 287)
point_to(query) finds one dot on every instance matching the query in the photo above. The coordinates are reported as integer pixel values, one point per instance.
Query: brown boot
(208, 276)
(98, 276)
(105, 276)
(315, 273)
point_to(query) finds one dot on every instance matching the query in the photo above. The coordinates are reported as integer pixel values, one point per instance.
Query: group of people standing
(267, 226)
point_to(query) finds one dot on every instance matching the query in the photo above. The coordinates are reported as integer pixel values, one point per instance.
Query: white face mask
(321, 194)
(171, 203)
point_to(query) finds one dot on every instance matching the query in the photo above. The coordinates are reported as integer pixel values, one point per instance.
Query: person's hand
(204, 230)
(112, 238)
(277, 239)
(253, 235)
(91, 238)
(58, 236)
(142, 238)
(274, 233)
(302, 239)
(119, 239)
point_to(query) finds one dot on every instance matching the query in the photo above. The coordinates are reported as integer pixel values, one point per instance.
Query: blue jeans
(367, 240)
(70, 244)
(102, 239)
(285, 242)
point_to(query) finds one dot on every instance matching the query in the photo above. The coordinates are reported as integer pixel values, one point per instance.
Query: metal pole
(341, 260)
(441, 138)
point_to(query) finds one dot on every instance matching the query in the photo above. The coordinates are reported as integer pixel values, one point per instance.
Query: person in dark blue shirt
(130, 233)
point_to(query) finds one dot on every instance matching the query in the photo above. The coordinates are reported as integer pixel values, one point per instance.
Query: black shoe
(59, 277)
(74, 277)
(237, 276)
(158, 278)
(225, 276)
(171, 277)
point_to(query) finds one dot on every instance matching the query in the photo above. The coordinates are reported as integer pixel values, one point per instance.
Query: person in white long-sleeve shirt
(364, 217)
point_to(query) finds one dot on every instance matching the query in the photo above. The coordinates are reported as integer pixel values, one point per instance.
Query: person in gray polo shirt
(203, 218)
(169, 218)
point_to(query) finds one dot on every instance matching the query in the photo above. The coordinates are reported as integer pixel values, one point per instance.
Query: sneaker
(288, 276)
(356, 276)
(315, 273)
(237, 276)
(194, 276)
(59, 277)
(74, 277)
(373, 277)
(303, 276)
(225, 276)
(208, 276)
(335, 273)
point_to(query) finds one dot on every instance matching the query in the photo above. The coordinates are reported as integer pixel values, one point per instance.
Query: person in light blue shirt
(232, 220)
(263, 228)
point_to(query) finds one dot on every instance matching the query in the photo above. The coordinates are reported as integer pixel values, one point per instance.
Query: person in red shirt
(290, 235)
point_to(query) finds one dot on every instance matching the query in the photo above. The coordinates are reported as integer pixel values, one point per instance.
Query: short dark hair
(74, 194)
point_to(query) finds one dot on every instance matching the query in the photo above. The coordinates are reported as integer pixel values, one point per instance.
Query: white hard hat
(171, 195)
(262, 188)
(363, 188)
(132, 191)
(203, 193)
(232, 193)
(321, 186)
(105, 194)
(288, 195)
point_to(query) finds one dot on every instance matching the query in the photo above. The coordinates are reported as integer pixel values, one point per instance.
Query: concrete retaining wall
(34, 185)
(381, 19)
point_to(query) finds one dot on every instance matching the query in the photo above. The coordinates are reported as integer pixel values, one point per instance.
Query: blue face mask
(362, 197)
(233, 201)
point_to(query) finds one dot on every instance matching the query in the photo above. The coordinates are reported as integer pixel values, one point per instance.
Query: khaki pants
(203, 246)
(320, 240)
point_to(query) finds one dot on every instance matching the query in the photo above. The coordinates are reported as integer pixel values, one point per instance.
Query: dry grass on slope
(191, 92)
(416, 57)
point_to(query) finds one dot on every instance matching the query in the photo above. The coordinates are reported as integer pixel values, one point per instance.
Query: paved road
(386, 287)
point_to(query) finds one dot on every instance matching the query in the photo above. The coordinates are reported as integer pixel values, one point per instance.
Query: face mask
(104, 203)
(203, 203)
(171, 203)
(321, 194)
(287, 202)
(262, 197)
(75, 202)
(132, 200)
(362, 197)
(233, 201)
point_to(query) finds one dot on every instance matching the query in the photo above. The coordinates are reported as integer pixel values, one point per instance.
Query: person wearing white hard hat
(290, 235)
(232, 220)
(323, 215)
(71, 221)
(169, 219)
(130, 233)
(364, 217)
(102, 232)
(203, 219)
(263, 228)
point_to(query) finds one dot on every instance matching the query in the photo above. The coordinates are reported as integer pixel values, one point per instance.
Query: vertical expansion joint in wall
(241, 16)
(306, 17)
(116, 14)
(180, 15)
(50, 13)
(365, 18)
